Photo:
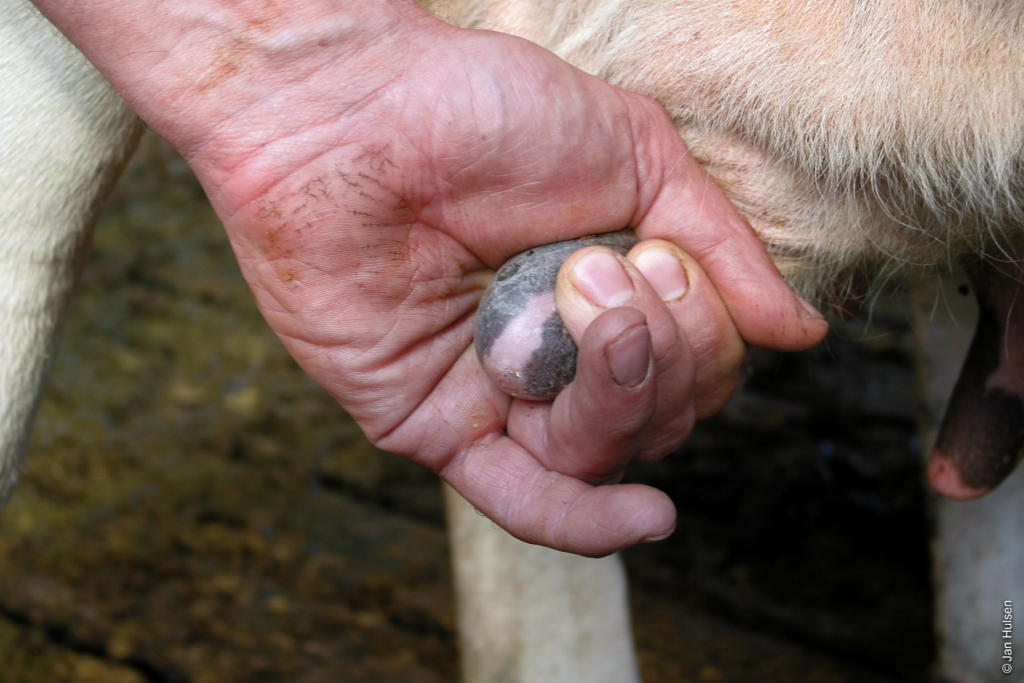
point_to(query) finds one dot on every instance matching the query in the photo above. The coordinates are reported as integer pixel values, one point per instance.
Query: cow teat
(982, 434)
(519, 336)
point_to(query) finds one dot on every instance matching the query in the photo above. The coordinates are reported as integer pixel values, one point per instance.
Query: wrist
(189, 68)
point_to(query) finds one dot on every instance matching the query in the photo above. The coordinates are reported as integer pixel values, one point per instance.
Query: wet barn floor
(195, 510)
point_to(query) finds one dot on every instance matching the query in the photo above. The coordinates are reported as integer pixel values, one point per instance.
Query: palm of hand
(368, 228)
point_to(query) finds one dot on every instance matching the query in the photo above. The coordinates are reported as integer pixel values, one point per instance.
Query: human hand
(372, 171)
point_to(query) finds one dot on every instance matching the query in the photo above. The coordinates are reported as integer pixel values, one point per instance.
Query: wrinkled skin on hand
(371, 180)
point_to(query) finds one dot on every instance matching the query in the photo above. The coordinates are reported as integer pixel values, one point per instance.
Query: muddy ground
(195, 510)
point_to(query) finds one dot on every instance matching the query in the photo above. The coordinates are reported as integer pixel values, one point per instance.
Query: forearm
(187, 66)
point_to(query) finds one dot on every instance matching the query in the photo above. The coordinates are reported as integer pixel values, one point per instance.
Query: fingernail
(601, 278)
(665, 273)
(662, 537)
(815, 313)
(629, 358)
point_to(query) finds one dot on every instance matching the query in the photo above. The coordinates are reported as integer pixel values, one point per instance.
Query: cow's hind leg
(529, 614)
(65, 135)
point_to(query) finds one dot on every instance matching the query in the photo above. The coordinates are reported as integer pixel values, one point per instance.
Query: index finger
(459, 432)
(537, 505)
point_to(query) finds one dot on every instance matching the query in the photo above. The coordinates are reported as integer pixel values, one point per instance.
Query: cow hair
(856, 137)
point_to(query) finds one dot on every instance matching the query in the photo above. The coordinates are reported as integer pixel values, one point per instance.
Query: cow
(54, 184)
(856, 139)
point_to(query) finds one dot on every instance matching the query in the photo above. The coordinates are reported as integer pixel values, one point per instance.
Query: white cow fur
(853, 134)
(886, 169)
(64, 137)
